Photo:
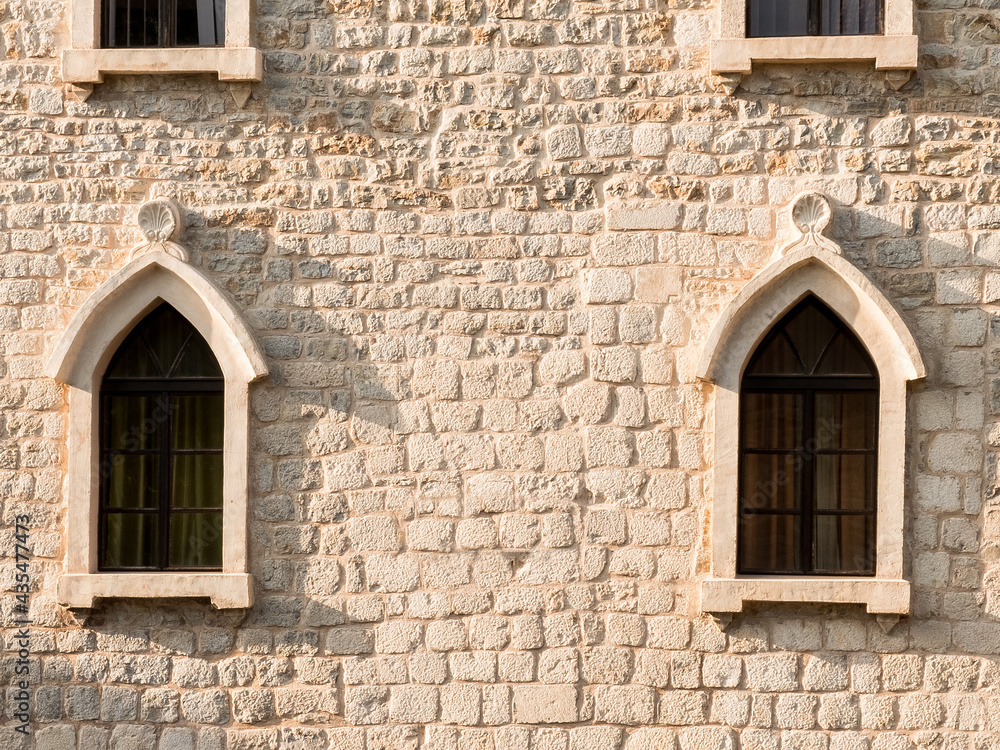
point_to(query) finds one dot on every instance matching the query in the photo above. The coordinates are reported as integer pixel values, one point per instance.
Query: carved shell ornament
(810, 214)
(159, 221)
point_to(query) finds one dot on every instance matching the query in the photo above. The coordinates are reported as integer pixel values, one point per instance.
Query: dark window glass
(163, 23)
(813, 17)
(161, 471)
(808, 442)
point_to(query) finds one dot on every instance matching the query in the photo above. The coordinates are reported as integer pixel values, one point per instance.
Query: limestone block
(563, 453)
(595, 738)
(252, 705)
(609, 446)
(683, 707)
(374, 533)
(839, 711)
(429, 535)
(488, 633)
(632, 563)
(489, 493)
(605, 526)
(366, 705)
(416, 704)
(772, 673)
(731, 708)
(607, 286)
(561, 367)
(545, 704)
(588, 402)
(393, 573)
(657, 285)
(616, 364)
(653, 668)
(628, 705)
(630, 408)
(476, 533)
(637, 324)
(825, 673)
(608, 141)
(796, 711)
(708, 738)
(350, 641)
(461, 704)
(559, 666)
(564, 142)
(621, 249)
(398, 637)
(607, 665)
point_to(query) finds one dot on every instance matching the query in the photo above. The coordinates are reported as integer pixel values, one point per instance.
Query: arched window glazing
(161, 456)
(808, 446)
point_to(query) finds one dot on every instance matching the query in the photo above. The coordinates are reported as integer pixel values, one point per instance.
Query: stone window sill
(224, 590)
(882, 596)
(89, 66)
(895, 52)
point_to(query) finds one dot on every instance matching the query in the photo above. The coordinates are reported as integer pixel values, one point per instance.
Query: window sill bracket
(89, 66)
(889, 52)
(224, 590)
(881, 596)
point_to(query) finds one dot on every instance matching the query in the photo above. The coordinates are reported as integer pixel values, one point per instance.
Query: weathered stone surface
(482, 247)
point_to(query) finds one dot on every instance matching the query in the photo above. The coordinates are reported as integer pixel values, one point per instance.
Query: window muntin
(162, 23)
(808, 445)
(781, 18)
(161, 477)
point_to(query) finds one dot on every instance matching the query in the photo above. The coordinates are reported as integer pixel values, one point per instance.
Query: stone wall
(482, 244)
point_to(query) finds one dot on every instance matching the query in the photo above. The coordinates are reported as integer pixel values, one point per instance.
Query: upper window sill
(225, 590)
(881, 595)
(890, 52)
(83, 66)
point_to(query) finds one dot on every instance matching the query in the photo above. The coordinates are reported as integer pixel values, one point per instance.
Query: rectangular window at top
(163, 23)
(767, 18)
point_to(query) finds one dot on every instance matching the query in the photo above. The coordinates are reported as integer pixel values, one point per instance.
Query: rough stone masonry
(482, 244)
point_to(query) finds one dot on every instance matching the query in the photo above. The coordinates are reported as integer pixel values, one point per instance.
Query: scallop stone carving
(159, 221)
(810, 214)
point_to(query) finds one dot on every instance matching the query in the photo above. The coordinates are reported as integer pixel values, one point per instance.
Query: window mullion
(813, 18)
(166, 24)
(808, 499)
(165, 472)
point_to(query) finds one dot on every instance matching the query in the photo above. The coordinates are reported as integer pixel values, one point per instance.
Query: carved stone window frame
(158, 272)
(85, 63)
(895, 51)
(810, 265)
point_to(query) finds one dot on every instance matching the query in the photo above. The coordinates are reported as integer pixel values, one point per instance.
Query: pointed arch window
(808, 449)
(810, 364)
(162, 424)
(157, 364)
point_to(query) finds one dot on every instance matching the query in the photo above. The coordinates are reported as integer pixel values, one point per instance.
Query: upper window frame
(159, 272)
(734, 52)
(810, 265)
(86, 62)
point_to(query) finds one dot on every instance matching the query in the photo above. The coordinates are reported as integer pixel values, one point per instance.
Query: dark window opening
(813, 17)
(161, 450)
(808, 445)
(163, 23)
